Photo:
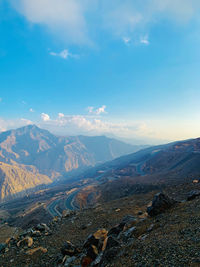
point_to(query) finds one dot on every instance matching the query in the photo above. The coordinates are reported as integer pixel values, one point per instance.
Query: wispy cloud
(31, 110)
(61, 115)
(74, 20)
(45, 117)
(26, 121)
(64, 18)
(144, 40)
(6, 124)
(126, 40)
(97, 111)
(65, 54)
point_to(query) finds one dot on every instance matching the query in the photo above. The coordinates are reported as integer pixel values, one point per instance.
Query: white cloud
(61, 115)
(97, 111)
(144, 40)
(45, 117)
(63, 17)
(91, 125)
(101, 110)
(76, 20)
(31, 110)
(181, 10)
(6, 124)
(126, 40)
(65, 54)
(26, 121)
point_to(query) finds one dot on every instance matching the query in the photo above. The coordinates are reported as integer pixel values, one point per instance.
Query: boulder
(94, 245)
(126, 223)
(109, 255)
(111, 242)
(160, 203)
(116, 230)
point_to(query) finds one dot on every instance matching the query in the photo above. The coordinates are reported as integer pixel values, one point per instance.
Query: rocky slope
(16, 181)
(118, 233)
(179, 160)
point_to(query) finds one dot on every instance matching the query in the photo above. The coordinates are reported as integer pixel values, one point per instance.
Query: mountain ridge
(36, 150)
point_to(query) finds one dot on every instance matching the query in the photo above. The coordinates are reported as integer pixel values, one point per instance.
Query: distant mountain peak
(29, 127)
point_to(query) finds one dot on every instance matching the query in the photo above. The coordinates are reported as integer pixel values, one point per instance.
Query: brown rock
(27, 241)
(160, 203)
(34, 250)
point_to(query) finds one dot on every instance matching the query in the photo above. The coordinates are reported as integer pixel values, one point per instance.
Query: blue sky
(127, 68)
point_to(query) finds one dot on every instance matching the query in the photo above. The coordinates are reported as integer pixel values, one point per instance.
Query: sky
(123, 68)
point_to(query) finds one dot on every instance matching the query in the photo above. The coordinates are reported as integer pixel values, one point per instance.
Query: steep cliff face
(17, 181)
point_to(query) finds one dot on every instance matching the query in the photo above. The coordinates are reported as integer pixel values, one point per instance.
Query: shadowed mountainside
(141, 171)
(55, 156)
(31, 156)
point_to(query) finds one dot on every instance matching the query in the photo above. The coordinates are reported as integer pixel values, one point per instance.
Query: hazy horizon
(127, 69)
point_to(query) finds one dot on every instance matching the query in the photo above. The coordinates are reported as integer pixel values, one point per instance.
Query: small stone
(69, 261)
(130, 232)
(143, 237)
(150, 228)
(42, 227)
(27, 241)
(69, 249)
(34, 250)
(36, 233)
(67, 213)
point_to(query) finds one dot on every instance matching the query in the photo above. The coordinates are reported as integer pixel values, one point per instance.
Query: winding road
(52, 208)
(69, 201)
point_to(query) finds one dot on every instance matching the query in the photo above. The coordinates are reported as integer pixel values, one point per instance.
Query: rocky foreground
(125, 232)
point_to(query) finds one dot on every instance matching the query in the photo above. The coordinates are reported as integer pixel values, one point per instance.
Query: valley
(99, 197)
(31, 157)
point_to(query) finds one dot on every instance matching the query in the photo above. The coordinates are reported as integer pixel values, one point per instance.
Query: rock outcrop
(160, 203)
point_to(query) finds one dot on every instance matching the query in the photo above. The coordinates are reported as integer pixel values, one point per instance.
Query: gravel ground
(173, 238)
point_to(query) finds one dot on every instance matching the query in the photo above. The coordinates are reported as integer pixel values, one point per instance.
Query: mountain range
(31, 156)
(139, 172)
